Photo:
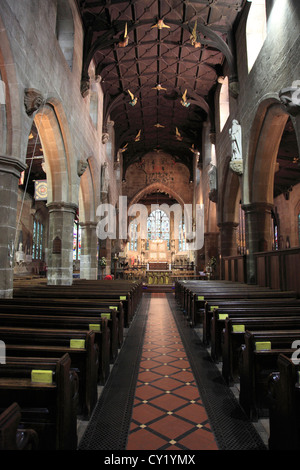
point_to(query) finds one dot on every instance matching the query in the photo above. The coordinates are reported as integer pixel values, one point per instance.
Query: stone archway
(62, 183)
(87, 211)
(156, 187)
(229, 213)
(258, 185)
(11, 164)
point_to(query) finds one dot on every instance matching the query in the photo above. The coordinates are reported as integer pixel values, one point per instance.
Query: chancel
(149, 227)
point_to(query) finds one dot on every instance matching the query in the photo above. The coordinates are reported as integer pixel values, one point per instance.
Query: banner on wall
(40, 190)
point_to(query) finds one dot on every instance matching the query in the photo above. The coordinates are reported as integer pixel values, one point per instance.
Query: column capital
(257, 207)
(90, 224)
(62, 207)
(11, 165)
(226, 225)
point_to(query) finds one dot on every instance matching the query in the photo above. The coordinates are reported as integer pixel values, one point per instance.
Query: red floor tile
(168, 411)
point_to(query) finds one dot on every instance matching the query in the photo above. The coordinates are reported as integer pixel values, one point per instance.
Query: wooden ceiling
(167, 57)
(173, 50)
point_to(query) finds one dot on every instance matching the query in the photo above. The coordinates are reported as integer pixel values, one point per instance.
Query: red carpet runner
(168, 413)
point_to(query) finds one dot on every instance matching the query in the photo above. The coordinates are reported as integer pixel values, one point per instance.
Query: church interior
(149, 226)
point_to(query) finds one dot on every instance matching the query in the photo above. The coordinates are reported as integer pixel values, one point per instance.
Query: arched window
(224, 109)
(37, 240)
(76, 241)
(65, 30)
(158, 227)
(132, 245)
(182, 237)
(256, 30)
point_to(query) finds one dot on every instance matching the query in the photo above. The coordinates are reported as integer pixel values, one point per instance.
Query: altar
(158, 266)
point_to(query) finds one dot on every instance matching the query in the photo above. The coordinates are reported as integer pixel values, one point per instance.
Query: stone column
(10, 170)
(88, 255)
(211, 244)
(228, 245)
(259, 233)
(60, 249)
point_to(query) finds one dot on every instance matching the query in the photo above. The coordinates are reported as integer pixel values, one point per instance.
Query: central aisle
(164, 393)
(168, 413)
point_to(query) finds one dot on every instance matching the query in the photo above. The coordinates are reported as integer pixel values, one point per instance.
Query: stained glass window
(133, 236)
(37, 240)
(76, 241)
(158, 226)
(182, 240)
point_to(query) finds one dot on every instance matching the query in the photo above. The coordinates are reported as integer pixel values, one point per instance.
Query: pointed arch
(265, 138)
(10, 117)
(156, 187)
(53, 129)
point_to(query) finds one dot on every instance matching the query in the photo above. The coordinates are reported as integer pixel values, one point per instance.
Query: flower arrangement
(102, 261)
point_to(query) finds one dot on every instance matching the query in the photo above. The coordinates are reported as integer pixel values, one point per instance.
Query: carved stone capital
(33, 100)
(105, 137)
(85, 86)
(11, 165)
(61, 206)
(237, 167)
(81, 167)
(290, 98)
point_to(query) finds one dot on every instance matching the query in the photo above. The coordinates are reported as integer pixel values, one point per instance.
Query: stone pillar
(259, 233)
(88, 255)
(228, 245)
(60, 249)
(10, 171)
(211, 244)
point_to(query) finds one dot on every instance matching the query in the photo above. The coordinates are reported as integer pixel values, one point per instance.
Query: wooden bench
(233, 338)
(80, 345)
(262, 303)
(220, 315)
(70, 318)
(73, 292)
(12, 437)
(284, 406)
(50, 407)
(78, 306)
(256, 366)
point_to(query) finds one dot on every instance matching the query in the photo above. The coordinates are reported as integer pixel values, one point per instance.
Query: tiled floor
(168, 413)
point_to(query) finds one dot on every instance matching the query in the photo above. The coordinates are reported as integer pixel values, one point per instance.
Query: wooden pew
(12, 437)
(73, 292)
(284, 408)
(36, 342)
(192, 293)
(50, 409)
(69, 318)
(233, 338)
(262, 303)
(79, 306)
(220, 315)
(256, 366)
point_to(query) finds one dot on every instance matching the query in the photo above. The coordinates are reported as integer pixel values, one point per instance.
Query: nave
(164, 392)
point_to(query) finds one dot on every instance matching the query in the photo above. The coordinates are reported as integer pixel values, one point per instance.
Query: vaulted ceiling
(158, 62)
